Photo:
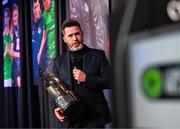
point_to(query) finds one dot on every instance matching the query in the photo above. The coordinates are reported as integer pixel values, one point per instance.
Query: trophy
(70, 104)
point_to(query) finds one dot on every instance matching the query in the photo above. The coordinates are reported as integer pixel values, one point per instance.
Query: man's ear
(64, 40)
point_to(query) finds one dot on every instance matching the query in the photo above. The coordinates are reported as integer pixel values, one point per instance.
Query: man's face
(46, 4)
(73, 36)
(36, 9)
(15, 17)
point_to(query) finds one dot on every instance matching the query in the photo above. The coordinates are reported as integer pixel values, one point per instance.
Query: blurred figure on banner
(86, 72)
(93, 17)
(7, 37)
(37, 34)
(48, 33)
(15, 48)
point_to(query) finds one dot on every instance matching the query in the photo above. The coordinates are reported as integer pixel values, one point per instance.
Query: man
(7, 36)
(86, 72)
(48, 33)
(15, 48)
(37, 34)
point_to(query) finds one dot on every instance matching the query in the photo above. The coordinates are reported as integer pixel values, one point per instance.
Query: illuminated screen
(155, 64)
(43, 36)
(11, 44)
(154, 60)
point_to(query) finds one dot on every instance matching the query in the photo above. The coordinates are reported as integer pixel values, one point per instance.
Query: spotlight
(173, 10)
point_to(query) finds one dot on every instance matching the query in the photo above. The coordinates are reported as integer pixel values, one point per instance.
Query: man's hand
(79, 75)
(59, 115)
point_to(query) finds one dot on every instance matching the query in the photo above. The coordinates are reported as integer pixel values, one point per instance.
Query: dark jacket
(97, 70)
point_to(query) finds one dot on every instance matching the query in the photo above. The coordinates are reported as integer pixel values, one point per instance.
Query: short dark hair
(69, 23)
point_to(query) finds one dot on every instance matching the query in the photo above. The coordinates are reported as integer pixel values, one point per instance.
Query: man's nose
(74, 37)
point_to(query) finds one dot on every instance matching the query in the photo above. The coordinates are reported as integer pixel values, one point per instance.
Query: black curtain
(1, 69)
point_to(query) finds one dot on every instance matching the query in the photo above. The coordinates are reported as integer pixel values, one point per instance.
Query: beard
(73, 49)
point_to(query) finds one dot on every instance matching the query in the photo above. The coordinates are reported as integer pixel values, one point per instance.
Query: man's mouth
(76, 44)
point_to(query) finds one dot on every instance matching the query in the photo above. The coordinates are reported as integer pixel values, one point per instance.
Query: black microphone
(75, 62)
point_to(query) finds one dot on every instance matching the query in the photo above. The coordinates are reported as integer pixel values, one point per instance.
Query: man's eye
(77, 33)
(70, 35)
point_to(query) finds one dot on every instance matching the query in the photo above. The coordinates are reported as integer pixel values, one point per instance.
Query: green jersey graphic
(7, 60)
(49, 24)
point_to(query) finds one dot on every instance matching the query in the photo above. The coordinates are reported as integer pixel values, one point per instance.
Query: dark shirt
(77, 58)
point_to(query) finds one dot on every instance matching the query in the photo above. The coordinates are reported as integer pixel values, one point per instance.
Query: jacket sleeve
(101, 80)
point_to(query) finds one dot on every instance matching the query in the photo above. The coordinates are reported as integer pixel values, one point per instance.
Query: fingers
(58, 109)
(75, 70)
(79, 75)
(59, 115)
(76, 73)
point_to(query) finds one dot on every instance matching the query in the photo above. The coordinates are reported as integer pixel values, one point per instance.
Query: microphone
(75, 62)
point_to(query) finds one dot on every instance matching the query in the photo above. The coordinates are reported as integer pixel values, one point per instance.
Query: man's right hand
(59, 115)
